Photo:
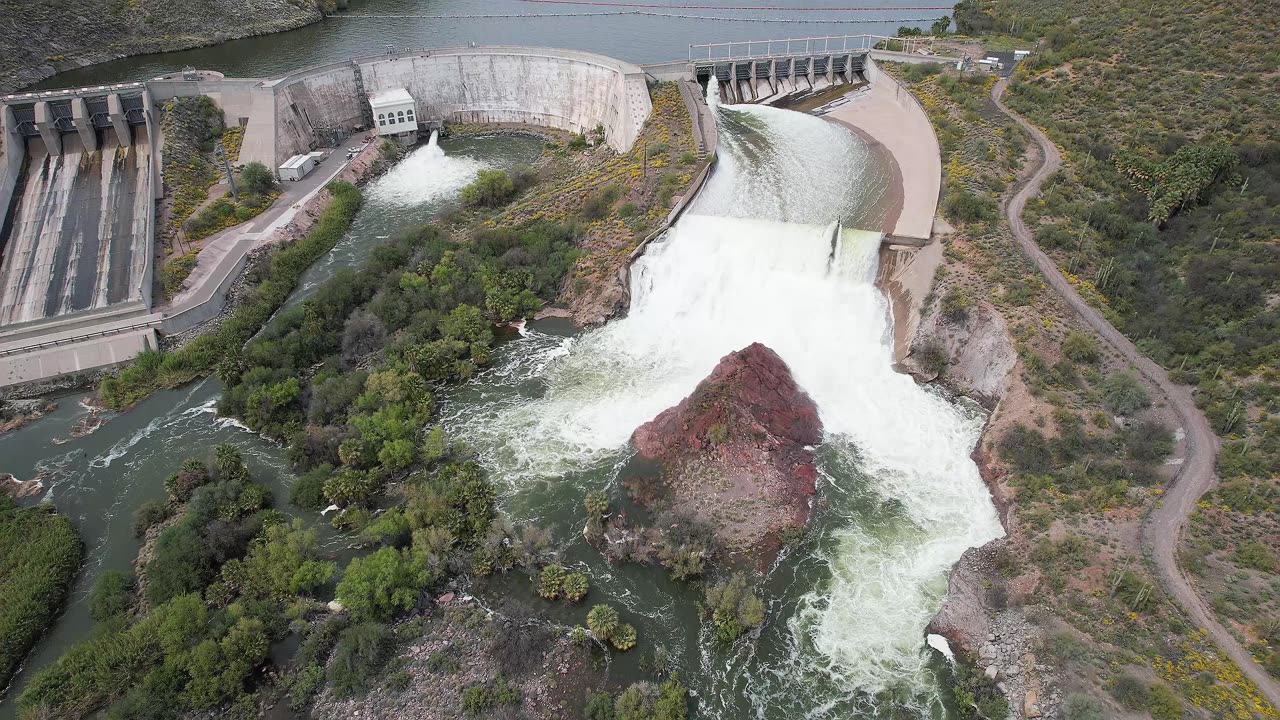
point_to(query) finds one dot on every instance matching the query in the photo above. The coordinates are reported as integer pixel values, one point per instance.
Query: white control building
(394, 113)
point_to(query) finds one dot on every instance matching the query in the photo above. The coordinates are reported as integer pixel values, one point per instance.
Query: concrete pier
(84, 125)
(48, 131)
(115, 111)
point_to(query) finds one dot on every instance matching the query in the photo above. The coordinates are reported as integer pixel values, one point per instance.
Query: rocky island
(737, 454)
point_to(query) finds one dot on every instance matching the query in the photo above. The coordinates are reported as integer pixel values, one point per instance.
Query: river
(100, 479)
(551, 418)
(660, 37)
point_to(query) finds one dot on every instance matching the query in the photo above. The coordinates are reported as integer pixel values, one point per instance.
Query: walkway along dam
(80, 168)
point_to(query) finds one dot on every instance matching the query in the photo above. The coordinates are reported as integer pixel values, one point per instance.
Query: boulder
(737, 455)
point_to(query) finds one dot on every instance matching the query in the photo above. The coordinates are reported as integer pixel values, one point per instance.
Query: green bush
(360, 654)
(148, 515)
(1083, 707)
(1163, 703)
(154, 370)
(40, 554)
(1131, 691)
(1080, 347)
(256, 179)
(308, 490)
(384, 583)
(1255, 556)
(1123, 393)
(963, 206)
(733, 607)
(487, 697)
(110, 595)
(490, 189)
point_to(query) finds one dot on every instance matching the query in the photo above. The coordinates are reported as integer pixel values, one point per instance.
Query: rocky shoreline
(984, 615)
(56, 37)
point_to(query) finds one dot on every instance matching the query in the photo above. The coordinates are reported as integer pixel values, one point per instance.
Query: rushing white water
(426, 175)
(761, 259)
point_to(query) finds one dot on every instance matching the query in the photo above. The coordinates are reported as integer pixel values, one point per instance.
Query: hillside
(43, 38)
(1164, 217)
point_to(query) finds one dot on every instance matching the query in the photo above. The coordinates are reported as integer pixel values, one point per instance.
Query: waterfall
(754, 261)
(427, 174)
(713, 92)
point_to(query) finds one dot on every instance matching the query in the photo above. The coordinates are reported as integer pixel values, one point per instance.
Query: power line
(660, 6)
(633, 13)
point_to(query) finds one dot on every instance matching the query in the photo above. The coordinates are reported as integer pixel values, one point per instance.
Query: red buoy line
(605, 3)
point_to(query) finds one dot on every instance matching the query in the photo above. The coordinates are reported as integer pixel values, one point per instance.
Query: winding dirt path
(1162, 529)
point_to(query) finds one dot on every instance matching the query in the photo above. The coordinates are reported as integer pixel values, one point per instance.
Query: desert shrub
(1163, 703)
(1083, 707)
(955, 305)
(1131, 691)
(1255, 556)
(1080, 347)
(484, 698)
(1027, 449)
(932, 357)
(598, 205)
(645, 701)
(359, 655)
(961, 205)
(1148, 441)
(362, 334)
(1123, 393)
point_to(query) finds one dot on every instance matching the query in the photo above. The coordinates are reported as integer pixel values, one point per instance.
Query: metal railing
(792, 47)
(803, 47)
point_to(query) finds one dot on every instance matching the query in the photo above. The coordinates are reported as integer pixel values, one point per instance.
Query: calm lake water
(637, 38)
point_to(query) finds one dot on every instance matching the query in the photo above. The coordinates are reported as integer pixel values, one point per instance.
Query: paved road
(1162, 529)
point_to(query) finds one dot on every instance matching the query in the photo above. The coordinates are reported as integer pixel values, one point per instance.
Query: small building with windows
(395, 115)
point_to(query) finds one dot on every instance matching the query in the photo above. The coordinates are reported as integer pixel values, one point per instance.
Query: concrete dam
(80, 168)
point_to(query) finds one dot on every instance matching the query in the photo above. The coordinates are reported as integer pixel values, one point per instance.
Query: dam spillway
(76, 236)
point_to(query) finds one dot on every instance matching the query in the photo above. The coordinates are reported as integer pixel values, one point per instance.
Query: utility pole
(220, 153)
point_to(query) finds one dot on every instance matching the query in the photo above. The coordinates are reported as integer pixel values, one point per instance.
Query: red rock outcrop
(737, 454)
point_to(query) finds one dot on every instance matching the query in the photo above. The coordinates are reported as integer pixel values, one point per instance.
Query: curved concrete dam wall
(564, 89)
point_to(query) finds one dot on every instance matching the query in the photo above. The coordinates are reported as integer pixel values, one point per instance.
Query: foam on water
(426, 175)
(761, 259)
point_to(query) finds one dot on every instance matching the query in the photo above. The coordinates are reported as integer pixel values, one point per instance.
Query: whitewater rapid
(760, 258)
(425, 175)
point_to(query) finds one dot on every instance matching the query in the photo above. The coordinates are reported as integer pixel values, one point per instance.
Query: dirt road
(1162, 529)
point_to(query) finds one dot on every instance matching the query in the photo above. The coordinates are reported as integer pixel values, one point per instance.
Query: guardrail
(77, 338)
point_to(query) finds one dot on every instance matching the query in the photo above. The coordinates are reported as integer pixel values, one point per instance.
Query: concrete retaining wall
(563, 89)
(12, 154)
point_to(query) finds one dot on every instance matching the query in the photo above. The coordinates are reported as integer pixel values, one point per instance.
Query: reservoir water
(662, 35)
(752, 261)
